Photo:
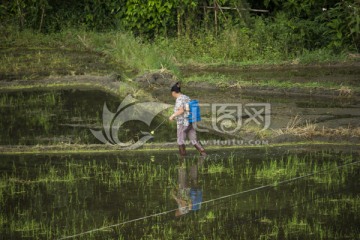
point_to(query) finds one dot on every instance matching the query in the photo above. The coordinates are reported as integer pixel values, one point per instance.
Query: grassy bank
(171, 147)
(29, 55)
(224, 79)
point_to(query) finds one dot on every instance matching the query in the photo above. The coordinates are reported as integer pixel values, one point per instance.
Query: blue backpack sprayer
(194, 111)
(193, 108)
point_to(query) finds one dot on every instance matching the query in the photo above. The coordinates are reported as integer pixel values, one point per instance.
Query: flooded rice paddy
(62, 117)
(66, 117)
(261, 193)
(298, 192)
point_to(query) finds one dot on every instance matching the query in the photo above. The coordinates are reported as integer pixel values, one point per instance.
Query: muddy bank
(337, 80)
(271, 67)
(171, 146)
(323, 81)
(105, 83)
(255, 80)
(156, 83)
(21, 63)
(320, 92)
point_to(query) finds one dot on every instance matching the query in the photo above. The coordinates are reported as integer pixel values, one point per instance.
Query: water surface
(231, 195)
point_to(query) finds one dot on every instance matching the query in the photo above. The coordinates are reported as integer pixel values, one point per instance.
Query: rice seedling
(217, 168)
(89, 192)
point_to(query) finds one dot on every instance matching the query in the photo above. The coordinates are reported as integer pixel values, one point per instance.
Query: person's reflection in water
(188, 194)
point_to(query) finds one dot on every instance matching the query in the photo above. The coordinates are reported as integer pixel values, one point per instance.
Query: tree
(149, 17)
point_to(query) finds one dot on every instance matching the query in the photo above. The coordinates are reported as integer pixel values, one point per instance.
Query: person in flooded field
(184, 128)
(188, 194)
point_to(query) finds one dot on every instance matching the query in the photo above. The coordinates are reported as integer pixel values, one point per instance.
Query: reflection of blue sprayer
(153, 131)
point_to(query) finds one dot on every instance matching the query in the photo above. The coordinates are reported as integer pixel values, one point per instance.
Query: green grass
(31, 55)
(320, 56)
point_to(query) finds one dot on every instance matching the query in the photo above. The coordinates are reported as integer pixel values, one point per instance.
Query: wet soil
(37, 64)
(109, 83)
(325, 80)
(163, 147)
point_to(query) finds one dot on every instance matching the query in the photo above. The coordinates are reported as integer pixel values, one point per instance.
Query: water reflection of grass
(54, 198)
(47, 118)
(48, 99)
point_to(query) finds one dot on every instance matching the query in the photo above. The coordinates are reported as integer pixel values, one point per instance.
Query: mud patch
(156, 79)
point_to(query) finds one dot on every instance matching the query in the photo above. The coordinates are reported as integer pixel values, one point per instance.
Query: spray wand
(153, 131)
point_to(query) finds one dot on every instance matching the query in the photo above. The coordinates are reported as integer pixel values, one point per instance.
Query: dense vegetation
(199, 31)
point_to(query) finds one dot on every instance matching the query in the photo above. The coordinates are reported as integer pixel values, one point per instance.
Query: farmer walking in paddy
(185, 114)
